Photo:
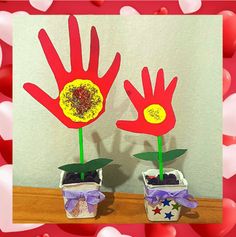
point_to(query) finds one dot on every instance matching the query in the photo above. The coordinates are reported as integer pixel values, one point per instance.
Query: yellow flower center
(81, 100)
(154, 113)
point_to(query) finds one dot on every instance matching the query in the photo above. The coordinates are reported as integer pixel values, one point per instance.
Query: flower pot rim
(183, 183)
(82, 183)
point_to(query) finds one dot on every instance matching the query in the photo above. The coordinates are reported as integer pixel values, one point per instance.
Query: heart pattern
(80, 229)
(229, 33)
(163, 230)
(98, 2)
(6, 120)
(228, 191)
(161, 11)
(6, 151)
(110, 231)
(226, 81)
(128, 11)
(2, 160)
(229, 115)
(229, 140)
(6, 224)
(190, 6)
(42, 5)
(219, 230)
(44, 235)
(6, 25)
(6, 81)
(0, 56)
(229, 161)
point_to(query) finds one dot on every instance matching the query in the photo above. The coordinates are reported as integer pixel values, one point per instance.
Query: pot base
(162, 212)
(167, 209)
(81, 211)
(74, 197)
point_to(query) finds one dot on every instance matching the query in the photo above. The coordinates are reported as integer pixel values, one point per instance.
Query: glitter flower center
(81, 100)
(154, 114)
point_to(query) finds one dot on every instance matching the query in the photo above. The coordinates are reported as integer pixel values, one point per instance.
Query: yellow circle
(154, 113)
(81, 100)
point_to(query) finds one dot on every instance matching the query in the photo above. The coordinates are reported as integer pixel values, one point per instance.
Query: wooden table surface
(40, 205)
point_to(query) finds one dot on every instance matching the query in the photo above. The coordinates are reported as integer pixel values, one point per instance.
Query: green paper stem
(81, 150)
(160, 160)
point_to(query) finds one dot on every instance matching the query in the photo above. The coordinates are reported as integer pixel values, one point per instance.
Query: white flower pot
(167, 209)
(81, 207)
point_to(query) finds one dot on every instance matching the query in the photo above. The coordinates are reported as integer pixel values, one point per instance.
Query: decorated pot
(164, 202)
(81, 199)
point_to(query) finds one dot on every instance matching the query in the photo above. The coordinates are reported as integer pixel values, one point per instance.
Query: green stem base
(81, 149)
(160, 160)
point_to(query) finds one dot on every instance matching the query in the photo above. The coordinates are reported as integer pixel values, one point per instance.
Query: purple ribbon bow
(154, 196)
(91, 197)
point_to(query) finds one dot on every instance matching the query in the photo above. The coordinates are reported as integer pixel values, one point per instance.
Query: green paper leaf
(86, 167)
(167, 156)
(173, 154)
(151, 156)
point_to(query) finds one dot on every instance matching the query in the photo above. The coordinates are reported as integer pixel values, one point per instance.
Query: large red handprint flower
(82, 93)
(155, 112)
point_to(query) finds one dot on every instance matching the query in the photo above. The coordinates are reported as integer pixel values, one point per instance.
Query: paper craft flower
(82, 93)
(155, 112)
(81, 100)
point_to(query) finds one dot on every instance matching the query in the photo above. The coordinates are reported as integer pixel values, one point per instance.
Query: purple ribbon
(154, 196)
(91, 197)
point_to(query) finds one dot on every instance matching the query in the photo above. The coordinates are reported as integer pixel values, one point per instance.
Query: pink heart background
(41, 5)
(6, 120)
(98, 3)
(229, 140)
(163, 230)
(229, 115)
(6, 25)
(229, 33)
(6, 224)
(161, 11)
(5, 83)
(2, 161)
(226, 81)
(128, 11)
(0, 56)
(6, 150)
(229, 161)
(110, 232)
(190, 6)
